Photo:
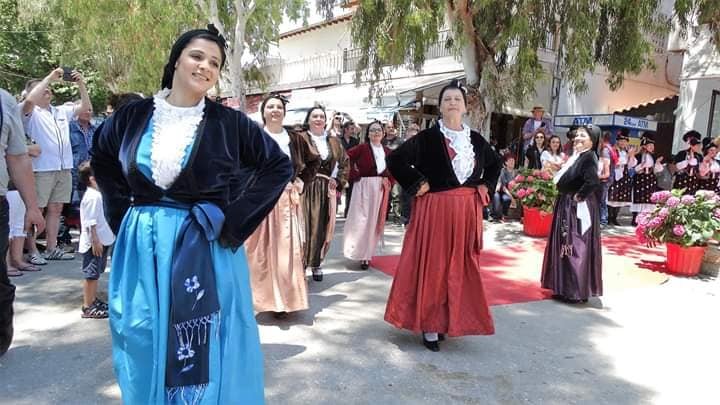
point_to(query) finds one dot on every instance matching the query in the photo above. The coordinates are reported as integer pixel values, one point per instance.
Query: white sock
(430, 336)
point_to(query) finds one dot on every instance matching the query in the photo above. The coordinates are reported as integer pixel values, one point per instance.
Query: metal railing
(317, 67)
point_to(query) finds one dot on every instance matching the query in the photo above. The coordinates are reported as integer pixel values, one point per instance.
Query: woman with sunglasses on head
(366, 217)
(533, 153)
(186, 181)
(572, 266)
(274, 250)
(336, 126)
(320, 195)
(450, 168)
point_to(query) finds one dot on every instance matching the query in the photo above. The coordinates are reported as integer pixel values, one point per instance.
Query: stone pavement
(654, 345)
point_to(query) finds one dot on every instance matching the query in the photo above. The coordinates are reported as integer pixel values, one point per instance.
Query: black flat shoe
(441, 337)
(317, 274)
(432, 346)
(280, 315)
(364, 265)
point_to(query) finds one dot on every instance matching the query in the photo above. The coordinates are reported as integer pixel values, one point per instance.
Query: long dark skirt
(319, 206)
(691, 184)
(572, 266)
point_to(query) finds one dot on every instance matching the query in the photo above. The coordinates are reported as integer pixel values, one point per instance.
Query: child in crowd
(95, 240)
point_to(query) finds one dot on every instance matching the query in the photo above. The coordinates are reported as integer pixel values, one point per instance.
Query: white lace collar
(321, 144)
(464, 161)
(173, 130)
(282, 138)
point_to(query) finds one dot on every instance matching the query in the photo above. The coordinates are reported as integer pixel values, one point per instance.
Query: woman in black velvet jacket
(437, 287)
(185, 181)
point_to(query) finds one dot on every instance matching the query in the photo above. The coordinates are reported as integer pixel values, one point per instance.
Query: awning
(354, 100)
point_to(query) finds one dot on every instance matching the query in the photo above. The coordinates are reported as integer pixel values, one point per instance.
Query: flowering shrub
(534, 189)
(682, 219)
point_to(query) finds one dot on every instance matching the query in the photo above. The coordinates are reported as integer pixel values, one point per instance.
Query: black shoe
(364, 265)
(317, 274)
(280, 315)
(441, 337)
(432, 346)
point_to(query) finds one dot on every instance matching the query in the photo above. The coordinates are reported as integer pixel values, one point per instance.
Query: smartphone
(67, 74)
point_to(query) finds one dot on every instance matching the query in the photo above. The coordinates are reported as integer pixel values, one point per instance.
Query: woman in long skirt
(437, 288)
(687, 162)
(572, 266)
(620, 191)
(320, 196)
(365, 222)
(275, 250)
(644, 181)
(185, 181)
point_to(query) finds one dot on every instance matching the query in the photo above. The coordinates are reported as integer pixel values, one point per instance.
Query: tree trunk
(237, 81)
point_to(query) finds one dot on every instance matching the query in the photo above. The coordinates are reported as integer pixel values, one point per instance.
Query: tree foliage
(499, 40)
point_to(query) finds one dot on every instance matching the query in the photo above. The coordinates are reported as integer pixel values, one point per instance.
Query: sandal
(29, 267)
(36, 259)
(94, 312)
(14, 273)
(100, 304)
(58, 254)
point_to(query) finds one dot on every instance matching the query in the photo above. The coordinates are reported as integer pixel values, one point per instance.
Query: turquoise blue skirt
(139, 303)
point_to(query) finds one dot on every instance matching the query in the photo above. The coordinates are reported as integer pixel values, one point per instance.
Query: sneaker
(36, 259)
(58, 254)
(94, 312)
(101, 304)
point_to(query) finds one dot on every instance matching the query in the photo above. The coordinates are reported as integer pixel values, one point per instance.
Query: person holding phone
(450, 168)
(537, 123)
(49, 126)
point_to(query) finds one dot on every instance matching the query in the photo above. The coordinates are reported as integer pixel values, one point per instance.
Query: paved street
(654, 345)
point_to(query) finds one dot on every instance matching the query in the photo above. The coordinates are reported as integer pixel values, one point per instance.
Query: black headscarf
(210, 34)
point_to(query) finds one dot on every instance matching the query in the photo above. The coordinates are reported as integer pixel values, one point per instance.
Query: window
(714, 120)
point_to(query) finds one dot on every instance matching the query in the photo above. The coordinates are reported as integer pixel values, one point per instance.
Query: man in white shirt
(49, 126)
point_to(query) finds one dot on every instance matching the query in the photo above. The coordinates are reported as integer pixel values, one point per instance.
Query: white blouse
(321, 144)
(379, 154)
(173, 131)
(282, 139)
(464, 161)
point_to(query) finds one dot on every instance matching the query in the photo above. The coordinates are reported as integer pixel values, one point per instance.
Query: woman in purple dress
(572, 267)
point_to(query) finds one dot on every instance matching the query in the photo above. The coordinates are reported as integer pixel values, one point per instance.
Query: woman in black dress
(534, 151)
(687, 164)
(572, 266)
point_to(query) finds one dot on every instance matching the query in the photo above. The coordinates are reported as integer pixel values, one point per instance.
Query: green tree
(25, 50)
(250, 27)
(499, 40)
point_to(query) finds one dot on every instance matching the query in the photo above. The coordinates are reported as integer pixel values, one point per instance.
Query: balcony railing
(311, 69)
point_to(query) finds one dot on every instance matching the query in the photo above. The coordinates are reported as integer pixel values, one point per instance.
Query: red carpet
(512, 274)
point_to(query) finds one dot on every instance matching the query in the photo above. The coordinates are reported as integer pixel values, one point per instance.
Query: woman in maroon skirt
(572, 266)
(437, 288)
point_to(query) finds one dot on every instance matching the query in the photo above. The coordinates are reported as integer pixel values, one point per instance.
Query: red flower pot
(683, 260)
(536, 223)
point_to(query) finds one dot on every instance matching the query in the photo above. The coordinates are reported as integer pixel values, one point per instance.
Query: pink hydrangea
(519, 178)
(512, 184)
(535, 173)
(521, 193)
(664, 213)
(672, 202)
(642, 218)
(660, 196)
(640, 234)
(716, 213)
(687, 200)
(656, 222)
(678, 230)
(530, 178)
(546, 175)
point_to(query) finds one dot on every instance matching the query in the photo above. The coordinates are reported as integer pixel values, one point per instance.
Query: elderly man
(49, 126)
(15, 164)
(537, 122)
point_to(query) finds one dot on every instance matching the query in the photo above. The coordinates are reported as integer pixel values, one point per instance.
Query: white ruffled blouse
(464, 161)
(173, 131)
(379, 154)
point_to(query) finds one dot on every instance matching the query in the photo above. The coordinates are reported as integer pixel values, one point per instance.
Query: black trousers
(7, 290)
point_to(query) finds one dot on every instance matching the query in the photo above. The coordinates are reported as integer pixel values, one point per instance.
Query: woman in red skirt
(437, 288)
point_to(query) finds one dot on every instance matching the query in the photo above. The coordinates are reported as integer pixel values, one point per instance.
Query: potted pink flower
(685, 223)
(535, 190)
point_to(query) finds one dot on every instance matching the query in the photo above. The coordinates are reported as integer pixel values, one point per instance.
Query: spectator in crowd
(535, 124)
(81, 133)
(391, 141)
(406, 199)
(96, 237)
(15, 165)
(49, 126)
(533, 152)
(118, 100)
(502, 197)
(336, 125)
(349, 141)
(412, 130)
